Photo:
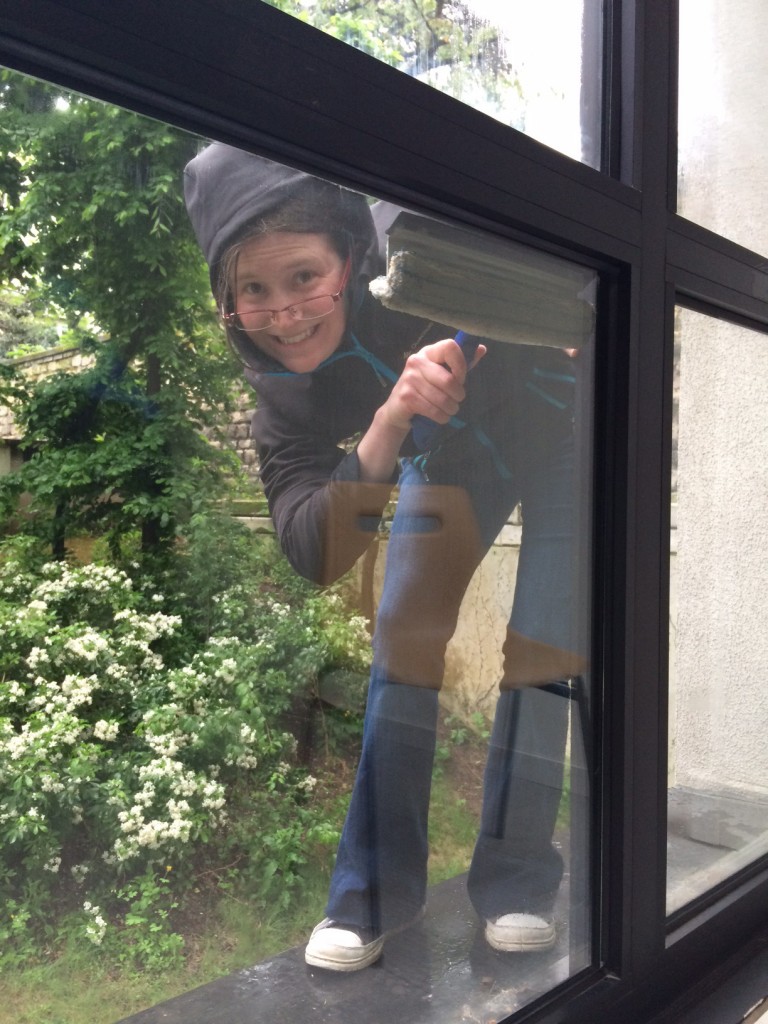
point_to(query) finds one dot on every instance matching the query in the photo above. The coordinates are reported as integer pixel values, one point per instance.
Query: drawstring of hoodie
(563, 378)
(385, 373)
(382, 371)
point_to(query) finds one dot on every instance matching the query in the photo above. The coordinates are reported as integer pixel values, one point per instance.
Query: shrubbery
(144, 734)
(151, 703)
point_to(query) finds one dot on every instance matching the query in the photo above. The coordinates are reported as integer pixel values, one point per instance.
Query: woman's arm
(325, 515)
(431, 385)
(326, 505)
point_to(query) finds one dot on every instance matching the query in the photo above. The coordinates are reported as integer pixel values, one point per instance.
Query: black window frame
(240, 71)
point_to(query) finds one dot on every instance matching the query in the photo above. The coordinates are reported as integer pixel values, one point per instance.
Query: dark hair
(303, 214)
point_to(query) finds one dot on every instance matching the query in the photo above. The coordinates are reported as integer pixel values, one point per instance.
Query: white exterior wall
(721, 712)
(720, 709)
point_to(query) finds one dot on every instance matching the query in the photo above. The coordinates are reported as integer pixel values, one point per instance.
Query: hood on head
(227, 190)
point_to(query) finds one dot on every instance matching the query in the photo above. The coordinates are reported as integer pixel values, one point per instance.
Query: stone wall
(72, 360)
(238, 433)
(37, 367)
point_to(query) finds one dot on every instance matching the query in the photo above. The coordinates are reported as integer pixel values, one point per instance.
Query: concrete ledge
(441, 969)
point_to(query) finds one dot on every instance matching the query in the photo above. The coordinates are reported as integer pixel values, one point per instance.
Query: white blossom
(106, 731)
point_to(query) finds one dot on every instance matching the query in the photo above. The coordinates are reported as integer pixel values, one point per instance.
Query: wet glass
(722, 146)
(718, 799)
(536, 67)
(186, 712)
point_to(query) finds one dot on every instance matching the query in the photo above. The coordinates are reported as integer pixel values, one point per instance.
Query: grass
(230, 935)
(452, 833)
(75, 990)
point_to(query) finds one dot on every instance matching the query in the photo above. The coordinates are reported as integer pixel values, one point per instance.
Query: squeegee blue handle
(425, 429)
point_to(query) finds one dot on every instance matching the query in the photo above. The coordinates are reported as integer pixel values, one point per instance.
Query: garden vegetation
(146, 742)
(157, 697)
(154, 699)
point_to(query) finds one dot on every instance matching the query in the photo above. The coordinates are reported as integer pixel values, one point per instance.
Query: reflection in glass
(722, 142)
(500, 57)
(184, 710)
(487, 422)
(718, 798)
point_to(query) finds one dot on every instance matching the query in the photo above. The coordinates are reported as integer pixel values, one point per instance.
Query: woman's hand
(431, 385)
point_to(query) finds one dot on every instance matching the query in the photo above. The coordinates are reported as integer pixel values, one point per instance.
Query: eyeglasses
(313, 308)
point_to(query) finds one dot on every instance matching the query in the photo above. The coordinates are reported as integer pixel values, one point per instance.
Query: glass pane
(182, 707)
(718, 798)
(499, 56)
(723, 83)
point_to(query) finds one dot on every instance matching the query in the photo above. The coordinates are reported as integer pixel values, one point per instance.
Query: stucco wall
(720, 707)
(473, 659)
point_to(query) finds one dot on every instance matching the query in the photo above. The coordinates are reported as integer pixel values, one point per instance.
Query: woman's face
(283, 268)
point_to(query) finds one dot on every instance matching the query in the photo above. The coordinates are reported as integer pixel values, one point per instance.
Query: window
(721, 87)
(220, 70)
(502, 59)
(717, 810)
(233, 736)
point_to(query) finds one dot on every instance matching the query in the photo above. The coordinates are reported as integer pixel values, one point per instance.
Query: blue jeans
(441, 530)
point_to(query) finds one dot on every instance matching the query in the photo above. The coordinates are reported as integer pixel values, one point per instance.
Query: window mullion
(650, 347)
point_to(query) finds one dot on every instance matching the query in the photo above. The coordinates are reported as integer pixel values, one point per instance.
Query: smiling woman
(305, 272)
(259, 79)
(329, 362)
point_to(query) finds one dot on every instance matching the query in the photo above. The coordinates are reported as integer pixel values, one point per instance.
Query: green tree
(25, 326)
(93, 224)
(421, 38)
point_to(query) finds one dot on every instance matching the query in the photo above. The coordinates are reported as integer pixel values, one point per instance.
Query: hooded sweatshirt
(306, 424)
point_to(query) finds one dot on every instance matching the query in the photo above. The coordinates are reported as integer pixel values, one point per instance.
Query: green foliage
(94, 191)
(94, 231)
(147, 700)
(458, 732)
(147, 940)
(13, 388)
(420, 37)
(104, 457)
(26, 326)
(144, 740)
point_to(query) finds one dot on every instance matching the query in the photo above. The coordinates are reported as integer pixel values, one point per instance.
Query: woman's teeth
(296, 337)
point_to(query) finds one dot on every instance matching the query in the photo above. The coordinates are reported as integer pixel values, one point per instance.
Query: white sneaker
(339, 948)
(520, 933)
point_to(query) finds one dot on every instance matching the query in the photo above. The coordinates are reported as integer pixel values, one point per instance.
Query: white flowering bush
(132, 742)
